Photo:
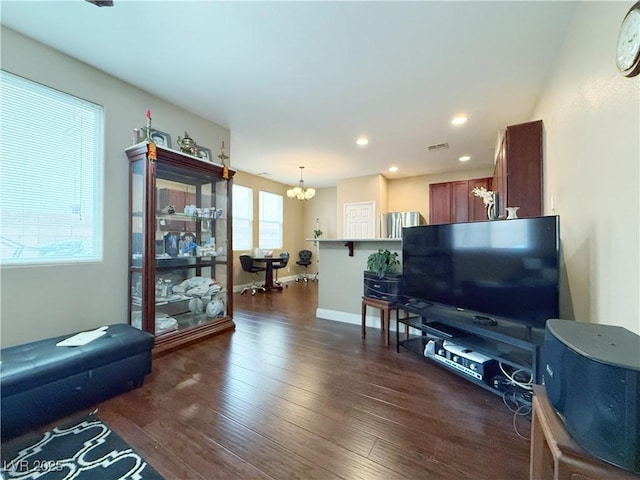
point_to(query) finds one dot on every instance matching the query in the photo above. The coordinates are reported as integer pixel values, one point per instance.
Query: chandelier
(300, 192)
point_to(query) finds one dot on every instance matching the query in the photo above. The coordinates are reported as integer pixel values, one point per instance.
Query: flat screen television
(506, 268)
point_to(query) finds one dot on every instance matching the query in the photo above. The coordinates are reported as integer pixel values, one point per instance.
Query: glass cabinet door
(180, 273)
(137, 222)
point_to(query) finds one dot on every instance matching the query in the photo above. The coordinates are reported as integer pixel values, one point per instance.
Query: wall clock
(628, 49)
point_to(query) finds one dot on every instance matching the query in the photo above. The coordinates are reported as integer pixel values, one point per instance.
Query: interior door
(359, 220)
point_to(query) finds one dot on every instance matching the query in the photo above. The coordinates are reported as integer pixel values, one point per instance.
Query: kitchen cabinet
(453, 202)
(518, 176)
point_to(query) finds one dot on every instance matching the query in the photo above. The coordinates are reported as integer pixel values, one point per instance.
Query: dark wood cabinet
(460, 201)
(477, 208)
(517, 176)
(180, 261)
(440, 203)
(453, 202)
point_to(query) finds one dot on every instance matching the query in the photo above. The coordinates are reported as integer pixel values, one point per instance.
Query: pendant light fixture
(300, 192)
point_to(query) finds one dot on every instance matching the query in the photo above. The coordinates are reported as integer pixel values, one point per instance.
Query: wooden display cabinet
(180, 262)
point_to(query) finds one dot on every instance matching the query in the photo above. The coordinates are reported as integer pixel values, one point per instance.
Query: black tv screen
(507, 268)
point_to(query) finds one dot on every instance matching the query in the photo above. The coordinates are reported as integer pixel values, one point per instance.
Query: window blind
(51, 175)
(242, 198)
(270, 227)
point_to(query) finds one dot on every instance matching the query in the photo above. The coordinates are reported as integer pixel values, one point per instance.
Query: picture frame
(204, 153)
(161, 139)
(171, 243)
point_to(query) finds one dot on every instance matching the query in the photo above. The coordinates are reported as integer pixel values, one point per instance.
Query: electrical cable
(518, 414)
(524, 385)
(520, 404)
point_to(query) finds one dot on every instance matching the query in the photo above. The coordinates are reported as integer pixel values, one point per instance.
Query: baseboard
(353, 318)
(356, 319)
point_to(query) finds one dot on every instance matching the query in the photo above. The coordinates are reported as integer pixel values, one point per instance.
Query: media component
(463, 359)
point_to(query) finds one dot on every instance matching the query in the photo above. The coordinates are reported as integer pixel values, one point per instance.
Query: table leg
(397, 334)
(364, 319)
(384, 315)
(537, 445)
(268, 277)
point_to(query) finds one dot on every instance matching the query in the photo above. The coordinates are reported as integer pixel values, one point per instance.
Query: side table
(570, 461)
(385, 315)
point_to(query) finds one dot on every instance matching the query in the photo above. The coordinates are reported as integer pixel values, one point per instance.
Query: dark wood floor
(288, 395)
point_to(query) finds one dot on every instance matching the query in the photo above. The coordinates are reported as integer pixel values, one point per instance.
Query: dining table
(268, 274)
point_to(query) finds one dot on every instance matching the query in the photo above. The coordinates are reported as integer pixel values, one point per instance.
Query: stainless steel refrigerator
(391, 223)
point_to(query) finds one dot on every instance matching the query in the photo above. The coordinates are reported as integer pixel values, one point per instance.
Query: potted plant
(383, 262)
(382, 277)
(317, 233)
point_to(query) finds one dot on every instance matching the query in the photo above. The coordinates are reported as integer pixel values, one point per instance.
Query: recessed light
(459, 120)
(393, 169)
(362, 141)
(465, 158)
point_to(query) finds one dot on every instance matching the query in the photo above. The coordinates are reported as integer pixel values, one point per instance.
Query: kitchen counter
(341, 285)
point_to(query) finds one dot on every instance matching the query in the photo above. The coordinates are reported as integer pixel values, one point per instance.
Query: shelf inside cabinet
(184, 262)
(164, 263)
(185, 217)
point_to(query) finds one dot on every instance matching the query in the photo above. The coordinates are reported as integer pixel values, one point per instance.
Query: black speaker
(592, 376)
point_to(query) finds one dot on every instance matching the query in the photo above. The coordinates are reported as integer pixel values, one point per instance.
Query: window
(270, 220)
(51, 145)
(242, 217)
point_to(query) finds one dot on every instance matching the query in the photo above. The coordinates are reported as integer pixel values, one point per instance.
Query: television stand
(484, 320)
(495, 353)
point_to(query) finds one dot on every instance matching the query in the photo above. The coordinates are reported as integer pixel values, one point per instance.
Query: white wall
(39, 302)
(591, 117)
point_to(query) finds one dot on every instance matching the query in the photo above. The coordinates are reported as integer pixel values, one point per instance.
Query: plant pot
(385, 288)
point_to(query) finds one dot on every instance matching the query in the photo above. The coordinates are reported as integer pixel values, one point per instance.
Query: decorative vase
(512, 212)
(492, 208)
(491, 211)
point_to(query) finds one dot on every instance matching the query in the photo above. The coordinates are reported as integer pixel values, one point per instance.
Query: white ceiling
(298, 82)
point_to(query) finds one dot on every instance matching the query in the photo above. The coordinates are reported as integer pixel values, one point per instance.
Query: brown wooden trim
(168, 343)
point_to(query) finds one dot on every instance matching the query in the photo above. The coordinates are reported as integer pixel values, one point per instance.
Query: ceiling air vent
(438, 146)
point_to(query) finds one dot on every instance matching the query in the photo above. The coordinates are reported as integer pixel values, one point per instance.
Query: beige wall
(39, 302)
(371, 188)
(412, 194)
(340, 290)
(300, 222)
(591, 119)
(322, 207)
(294, 219)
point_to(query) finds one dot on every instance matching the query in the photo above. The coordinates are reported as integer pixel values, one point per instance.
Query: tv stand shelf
(510, 346)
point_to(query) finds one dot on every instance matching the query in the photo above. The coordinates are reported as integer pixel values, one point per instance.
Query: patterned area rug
(86, 449)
